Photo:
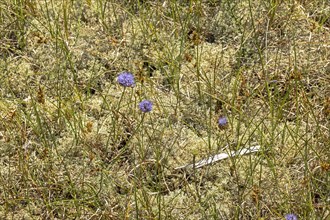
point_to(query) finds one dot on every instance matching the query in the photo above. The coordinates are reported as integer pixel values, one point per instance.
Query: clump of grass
(102, 100)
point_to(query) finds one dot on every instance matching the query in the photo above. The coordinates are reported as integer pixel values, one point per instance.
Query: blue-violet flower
(222, 122)
(291, 217)
(126, 79)
(145, 106)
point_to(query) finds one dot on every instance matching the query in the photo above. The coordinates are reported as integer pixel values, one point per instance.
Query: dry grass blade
(215, 158)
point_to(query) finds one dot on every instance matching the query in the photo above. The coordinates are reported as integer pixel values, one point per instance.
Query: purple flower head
(222, 122)
(291, 217)
(145, 106)
(126, 79)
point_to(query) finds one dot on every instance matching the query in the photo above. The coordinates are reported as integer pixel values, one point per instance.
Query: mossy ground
(74, 144)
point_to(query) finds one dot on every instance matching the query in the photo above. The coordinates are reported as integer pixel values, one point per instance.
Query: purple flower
(126, 79)
(145, 106)
(222, 122)
(291, 217)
